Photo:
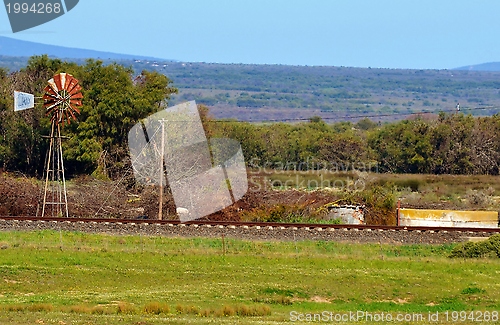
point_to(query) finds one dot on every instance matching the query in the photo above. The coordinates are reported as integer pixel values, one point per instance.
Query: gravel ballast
(250, 232)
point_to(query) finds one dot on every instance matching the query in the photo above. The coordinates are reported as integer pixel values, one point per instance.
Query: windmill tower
(62, 98)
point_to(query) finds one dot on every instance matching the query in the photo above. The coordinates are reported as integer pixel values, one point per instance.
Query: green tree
(113, 102)
(403, 147)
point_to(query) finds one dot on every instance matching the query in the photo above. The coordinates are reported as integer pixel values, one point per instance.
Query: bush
(472, 291)
(380, 205)
(494, 244)
(125, 308)
(480, 249)
(480, 198)
(80, 309)
(412, 184)
(98, 310)
(40, 307)
(182, 309)
(156, 308)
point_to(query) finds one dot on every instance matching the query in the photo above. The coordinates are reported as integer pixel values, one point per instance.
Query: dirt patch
(319, 299)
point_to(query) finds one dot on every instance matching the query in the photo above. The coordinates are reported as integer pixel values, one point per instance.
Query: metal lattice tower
(62, 98)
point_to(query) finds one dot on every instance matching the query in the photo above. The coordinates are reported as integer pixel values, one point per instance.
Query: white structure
(349, 214)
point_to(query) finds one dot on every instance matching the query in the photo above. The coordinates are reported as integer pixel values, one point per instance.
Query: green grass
(82, 278)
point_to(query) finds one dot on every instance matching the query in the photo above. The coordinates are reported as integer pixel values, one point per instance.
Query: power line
(347, 117)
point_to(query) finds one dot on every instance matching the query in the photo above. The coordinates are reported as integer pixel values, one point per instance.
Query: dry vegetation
(267, 199)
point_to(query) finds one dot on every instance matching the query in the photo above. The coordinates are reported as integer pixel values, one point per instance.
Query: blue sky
(418, 34)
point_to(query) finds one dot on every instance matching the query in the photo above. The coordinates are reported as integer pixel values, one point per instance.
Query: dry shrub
(261, 310)
(156, 308)
(205, 312)
(98, 310)
(380, 206)
(80, 309)
(19, 196)
(40, 307)
(480, 198)
(125, 308)
(242, 310)
(181, 309)
(225, 311)
(16, 308)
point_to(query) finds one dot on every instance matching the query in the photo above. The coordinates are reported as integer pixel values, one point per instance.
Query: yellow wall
(448, 218)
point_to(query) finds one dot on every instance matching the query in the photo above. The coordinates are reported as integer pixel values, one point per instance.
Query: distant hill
(13, 47)
(293, 93)
(490, 66)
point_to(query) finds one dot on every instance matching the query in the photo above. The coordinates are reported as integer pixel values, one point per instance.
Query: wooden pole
(49, 156)
(397, 213)
(162, 152)
(62, 170)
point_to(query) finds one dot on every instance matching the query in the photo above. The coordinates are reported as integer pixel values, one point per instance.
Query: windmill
(62, 99)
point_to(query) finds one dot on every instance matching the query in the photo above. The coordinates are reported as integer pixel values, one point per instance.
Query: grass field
(50, 277)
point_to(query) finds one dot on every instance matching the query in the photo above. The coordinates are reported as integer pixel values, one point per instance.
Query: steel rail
(264, 225)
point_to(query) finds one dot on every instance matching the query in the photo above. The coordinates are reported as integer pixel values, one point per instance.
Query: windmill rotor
(62, 98)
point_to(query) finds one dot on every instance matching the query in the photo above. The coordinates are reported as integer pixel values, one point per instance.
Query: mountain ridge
(488, 66)
(18, 48)
(10, 47)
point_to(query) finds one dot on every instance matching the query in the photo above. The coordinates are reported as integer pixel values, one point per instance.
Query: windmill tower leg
(61, 99)
(55, 195)
(48, 170)
(61, 171)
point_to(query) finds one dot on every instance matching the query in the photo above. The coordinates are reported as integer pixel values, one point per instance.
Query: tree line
(446, 144)
(116, 98)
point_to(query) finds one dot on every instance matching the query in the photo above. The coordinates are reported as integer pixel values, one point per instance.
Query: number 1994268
(35, 8)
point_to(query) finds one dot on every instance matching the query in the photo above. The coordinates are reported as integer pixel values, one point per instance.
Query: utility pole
(162, 172)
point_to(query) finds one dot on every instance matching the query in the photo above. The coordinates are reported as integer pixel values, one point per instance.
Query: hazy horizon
(354, 33)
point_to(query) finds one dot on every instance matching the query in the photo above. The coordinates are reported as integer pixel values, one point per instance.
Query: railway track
(257, 225)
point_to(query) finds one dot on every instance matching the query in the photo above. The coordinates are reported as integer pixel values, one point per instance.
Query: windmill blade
(53, 85)
(76, 110)
(63, 80)
(48, 97)
(72, 84)
(62, 98)
(69, 78)
(58, 81)
(72, 115)
(50, 91)
(77, 96)
(76, 102)
(76, 88)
